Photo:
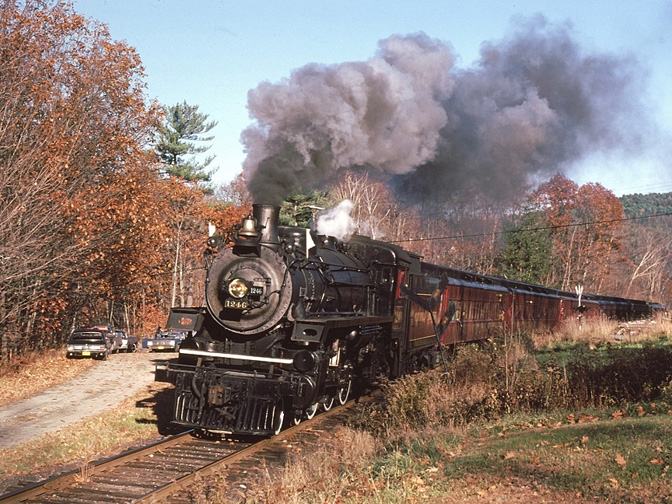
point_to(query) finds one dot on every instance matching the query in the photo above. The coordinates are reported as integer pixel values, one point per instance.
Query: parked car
(112, 336)
(165, 340)
(128, 343)
(89, 342)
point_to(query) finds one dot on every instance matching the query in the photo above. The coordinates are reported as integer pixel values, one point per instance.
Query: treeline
(561, 235)
(641, 205)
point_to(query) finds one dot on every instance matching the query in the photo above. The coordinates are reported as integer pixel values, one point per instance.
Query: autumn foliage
(560, 234)
(585, 224)
(88, 225)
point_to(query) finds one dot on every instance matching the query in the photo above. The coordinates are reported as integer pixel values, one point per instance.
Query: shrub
(503, 376)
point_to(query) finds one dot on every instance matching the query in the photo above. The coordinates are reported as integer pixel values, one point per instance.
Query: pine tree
(184, 125)
(527, 255)
(300, 207)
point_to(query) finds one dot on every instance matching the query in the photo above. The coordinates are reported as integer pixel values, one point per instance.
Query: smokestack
(267, 216)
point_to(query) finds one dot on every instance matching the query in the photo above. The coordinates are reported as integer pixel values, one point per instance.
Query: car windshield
(86, 336)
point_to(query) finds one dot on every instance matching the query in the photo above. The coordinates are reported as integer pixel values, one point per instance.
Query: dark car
(89, 342)
(112, 336)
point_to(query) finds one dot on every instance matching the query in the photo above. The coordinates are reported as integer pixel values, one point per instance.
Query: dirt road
(102, 387)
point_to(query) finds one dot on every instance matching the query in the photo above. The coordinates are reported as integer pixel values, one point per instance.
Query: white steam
(337, 221)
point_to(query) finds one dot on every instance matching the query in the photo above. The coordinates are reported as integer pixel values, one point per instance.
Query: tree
(602, 214)
(527, 253)
(300, 207)
(235, 192)
(585, 222)
(183, 126)
(74, 114)
(374, 207)
(649, 270)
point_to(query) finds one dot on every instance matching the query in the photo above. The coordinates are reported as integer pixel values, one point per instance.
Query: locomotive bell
(247, 237)
(248, 229)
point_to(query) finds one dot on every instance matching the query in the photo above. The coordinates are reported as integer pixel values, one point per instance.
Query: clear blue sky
(210, 53)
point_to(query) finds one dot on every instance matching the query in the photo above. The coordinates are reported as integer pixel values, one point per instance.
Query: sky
(211, 53)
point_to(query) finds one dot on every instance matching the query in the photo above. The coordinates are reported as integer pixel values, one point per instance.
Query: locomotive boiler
(295, 321)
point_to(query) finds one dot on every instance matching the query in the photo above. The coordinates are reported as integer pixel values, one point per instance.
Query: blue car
(164, 341)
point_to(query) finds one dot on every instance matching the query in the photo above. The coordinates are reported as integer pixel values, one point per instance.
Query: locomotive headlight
(238, 288)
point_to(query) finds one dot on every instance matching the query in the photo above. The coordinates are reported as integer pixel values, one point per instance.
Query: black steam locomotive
(294, 321)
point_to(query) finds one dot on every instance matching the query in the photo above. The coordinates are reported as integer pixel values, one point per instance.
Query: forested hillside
(637, 205)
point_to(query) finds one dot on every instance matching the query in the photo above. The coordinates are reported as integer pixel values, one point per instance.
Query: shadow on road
(160, 401)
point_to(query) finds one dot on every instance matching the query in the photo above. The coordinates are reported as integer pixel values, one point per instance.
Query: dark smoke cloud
(532, 105)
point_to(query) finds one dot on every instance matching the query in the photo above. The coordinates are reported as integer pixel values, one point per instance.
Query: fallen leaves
(618, 414)
(588, 418)
(620, 460)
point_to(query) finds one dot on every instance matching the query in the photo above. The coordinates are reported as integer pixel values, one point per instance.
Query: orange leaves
(618, 414)
(584, 221)
(88, 225)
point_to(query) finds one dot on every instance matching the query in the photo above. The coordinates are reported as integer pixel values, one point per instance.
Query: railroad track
(164, 471)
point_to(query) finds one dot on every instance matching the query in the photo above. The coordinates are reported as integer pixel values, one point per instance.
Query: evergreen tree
(300, 208)
(527, 255)
(184, 125)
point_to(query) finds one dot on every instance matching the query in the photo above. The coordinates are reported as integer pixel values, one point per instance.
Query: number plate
(256, 291)
(85, 354)
(232, 303)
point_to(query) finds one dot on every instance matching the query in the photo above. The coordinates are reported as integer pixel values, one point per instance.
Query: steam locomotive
(294, 321)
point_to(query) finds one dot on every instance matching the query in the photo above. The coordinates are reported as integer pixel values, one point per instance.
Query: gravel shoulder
(102, 387)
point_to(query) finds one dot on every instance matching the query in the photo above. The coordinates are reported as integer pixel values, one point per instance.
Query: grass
(599, 458)
(508, 424)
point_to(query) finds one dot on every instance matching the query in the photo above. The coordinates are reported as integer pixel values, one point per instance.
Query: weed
(583, 419)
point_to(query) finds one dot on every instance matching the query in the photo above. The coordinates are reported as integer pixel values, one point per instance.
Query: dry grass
(27, 375)
(600, 330)
(489, 430)
(446, 438)
(337, 469)
(589, 331)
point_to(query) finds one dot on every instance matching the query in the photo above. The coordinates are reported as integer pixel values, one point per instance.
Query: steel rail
(66, 479)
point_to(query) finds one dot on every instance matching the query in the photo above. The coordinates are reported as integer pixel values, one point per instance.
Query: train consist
(294, 321)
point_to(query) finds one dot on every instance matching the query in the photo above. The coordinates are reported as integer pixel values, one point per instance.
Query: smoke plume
(531, 106)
